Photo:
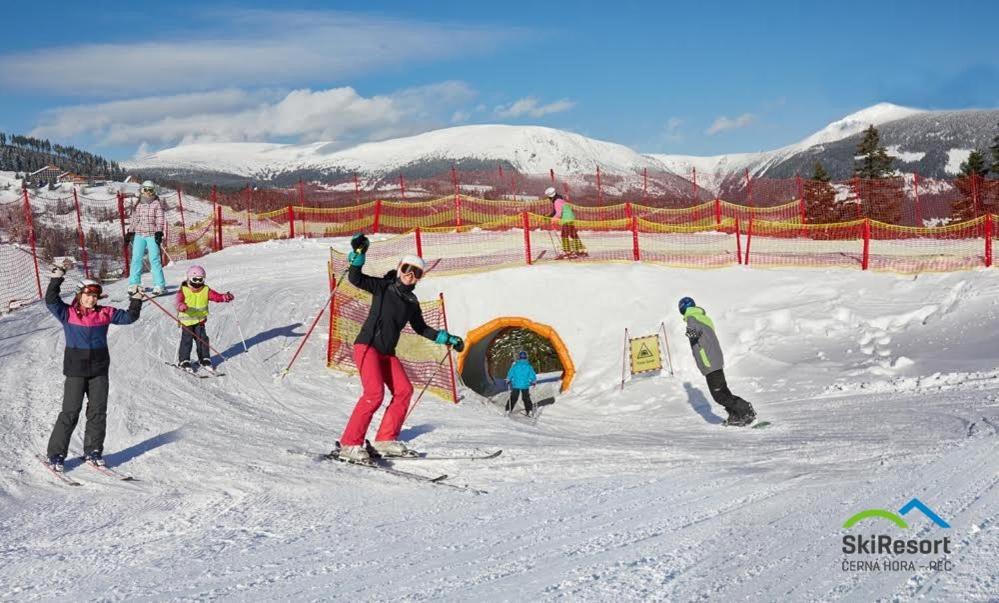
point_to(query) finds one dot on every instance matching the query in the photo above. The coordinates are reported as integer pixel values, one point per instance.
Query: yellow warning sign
(645, 354)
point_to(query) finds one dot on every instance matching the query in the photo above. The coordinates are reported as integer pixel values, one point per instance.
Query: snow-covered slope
(881, 389)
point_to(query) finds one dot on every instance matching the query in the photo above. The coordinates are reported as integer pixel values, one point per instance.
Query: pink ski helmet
(195, 273)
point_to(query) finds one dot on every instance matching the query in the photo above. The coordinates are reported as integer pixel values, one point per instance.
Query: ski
(761, 424)
(108, 471)
(423, 456)
(60, 476)
(194, 374)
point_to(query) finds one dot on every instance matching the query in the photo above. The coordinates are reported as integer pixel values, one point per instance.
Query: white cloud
(671, 131)
(270, 48)
(724, 123)
(459, 117)
(339, 115)
(529, 106)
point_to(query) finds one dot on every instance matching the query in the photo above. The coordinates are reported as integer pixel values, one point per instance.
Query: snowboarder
(85, 363)
(146, 224)
(393, 304)
(521, 377)
(192, 300)
(708, 356)
(562, 213)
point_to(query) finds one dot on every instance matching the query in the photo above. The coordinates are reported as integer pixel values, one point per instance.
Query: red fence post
(419, 242)
(600, 190)
(291, 222)
(738, 241)
(749, 238)
(527, 238)
(301, 192)
(378, 216)
(457, 197)
(450, 360)
(30, 221)
(919, 211)
(988, 240)
(79, 235)
(801, 199)
(627, 209)
(693, 186)
(865, 262)
(219, 212)
(645, 186)
(183, 224)
(717, 211)
(121, 220)
(749, 188)
(635, 251)
(402, 185)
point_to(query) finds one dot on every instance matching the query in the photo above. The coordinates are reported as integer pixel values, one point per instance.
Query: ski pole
(425, 385)
(287, 369)
(239, 328)
(182, 325)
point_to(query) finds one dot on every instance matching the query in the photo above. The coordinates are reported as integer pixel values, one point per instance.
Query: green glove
(355, 259)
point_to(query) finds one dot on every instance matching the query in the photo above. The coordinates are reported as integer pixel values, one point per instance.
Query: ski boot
(391, 448)
(351, 454)
(57, 463)
(157, 291)
(206, 363)
(133, 289)
(94, 457)
(185, 365)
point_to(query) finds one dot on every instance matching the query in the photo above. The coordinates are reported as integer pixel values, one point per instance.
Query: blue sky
(691, 78)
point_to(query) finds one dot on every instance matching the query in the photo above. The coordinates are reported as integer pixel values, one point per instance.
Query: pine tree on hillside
(969, 182)
(873, 161)
(877, 192)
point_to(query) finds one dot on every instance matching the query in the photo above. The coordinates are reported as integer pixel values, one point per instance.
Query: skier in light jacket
(521, 377)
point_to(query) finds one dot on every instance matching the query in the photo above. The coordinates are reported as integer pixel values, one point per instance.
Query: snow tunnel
(483, 364)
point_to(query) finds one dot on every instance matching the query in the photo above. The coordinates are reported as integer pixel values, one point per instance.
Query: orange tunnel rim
(479, 333)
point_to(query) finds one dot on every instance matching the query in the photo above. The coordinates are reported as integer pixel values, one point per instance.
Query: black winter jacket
(392, 306)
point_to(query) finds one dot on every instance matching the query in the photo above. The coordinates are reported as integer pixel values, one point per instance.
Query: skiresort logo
(889, 548)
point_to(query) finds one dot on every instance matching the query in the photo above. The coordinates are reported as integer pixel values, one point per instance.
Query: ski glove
(229, 296)
(355, 259)
(692, 335)
(59, 270)
(158, 236)
(360, 243)
(182, 307)
(445, 338)
(128, 238)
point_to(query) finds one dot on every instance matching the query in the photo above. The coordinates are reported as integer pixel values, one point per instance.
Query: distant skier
(146, 224)
(85, 363)
(393, 305)
(562, 213)
(708, 356)
(521, 377)
(192, 311)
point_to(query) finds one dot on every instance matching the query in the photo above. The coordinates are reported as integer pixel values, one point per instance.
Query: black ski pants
(528, 405)
(96, 390)
(722, 395)
(187, 340)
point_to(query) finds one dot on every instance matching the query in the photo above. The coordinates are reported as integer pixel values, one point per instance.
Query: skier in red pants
(393, 305)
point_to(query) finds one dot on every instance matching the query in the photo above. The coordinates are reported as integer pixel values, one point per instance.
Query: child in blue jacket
(521, 377)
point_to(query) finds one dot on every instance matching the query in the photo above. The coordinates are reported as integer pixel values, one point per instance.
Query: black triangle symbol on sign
(644, 352)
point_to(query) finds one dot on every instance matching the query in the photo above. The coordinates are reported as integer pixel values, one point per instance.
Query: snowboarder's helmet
(686, 302)
(522, 355)
(196, 274)
(550, 192)
(148, 186)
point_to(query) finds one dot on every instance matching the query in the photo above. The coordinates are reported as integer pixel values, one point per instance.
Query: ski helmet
(90, 287)
(686, 302)
(414, 263)
(522, 355)
(148, 184)
(195, 272)
(550, 192)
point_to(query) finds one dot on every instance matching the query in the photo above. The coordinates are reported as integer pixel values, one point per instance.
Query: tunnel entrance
(492, 348)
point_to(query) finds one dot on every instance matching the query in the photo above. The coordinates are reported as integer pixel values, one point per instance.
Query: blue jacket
(521, 375)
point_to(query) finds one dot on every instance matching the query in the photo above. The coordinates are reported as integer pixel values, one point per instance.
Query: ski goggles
(411, 269)
(148, 189)
(92, 290)
(198, 281)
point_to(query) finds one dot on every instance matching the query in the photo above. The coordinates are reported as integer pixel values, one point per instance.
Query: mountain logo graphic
(895, 518)
(644, 352)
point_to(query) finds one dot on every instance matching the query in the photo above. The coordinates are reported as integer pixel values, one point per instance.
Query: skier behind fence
(393, 305)
(708, 356)
(192, 312)
(85, 363)
(145, 233)
(562, 213)
(521, 377)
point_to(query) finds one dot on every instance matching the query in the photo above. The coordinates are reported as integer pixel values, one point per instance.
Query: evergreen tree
(975, 165)
(874, 161)
(821, 206)
(875, 191)
(969, 183)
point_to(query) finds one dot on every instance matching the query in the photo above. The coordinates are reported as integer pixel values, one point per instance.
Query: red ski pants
(378, 371)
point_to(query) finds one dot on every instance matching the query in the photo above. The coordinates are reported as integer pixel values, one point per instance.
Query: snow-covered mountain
(930, 142)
